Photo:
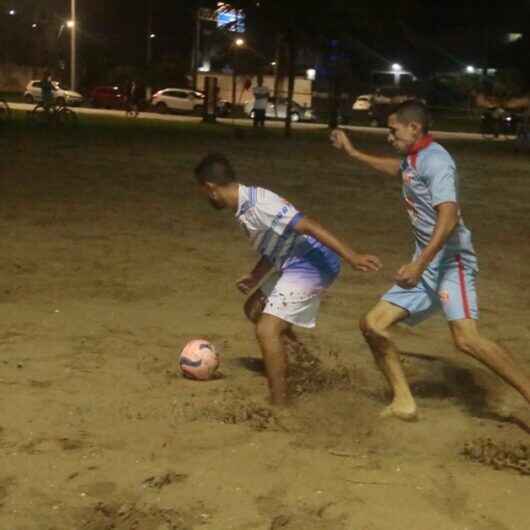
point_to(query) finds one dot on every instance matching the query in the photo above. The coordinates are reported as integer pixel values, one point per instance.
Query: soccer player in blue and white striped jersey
(299, 259)
(442, 272)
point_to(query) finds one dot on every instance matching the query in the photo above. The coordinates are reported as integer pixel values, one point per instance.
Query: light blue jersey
(429, 179)
(269, 222)
(448, 283)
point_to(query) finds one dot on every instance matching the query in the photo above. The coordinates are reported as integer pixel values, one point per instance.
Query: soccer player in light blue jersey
(299, 259)
(442, 272)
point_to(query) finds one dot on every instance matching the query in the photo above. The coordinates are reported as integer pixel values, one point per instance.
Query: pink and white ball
(199, 360)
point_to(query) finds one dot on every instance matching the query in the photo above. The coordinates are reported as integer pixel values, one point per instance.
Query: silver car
(60, 95)
(279, 111)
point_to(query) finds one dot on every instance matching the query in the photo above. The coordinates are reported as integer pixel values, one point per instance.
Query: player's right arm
(361, 262)
(387, 165)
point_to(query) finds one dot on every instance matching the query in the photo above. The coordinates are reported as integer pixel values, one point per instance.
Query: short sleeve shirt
(430, 178)
(269, 221)
(261, 97)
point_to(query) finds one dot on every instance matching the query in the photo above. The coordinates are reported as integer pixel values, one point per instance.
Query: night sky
(425, 36)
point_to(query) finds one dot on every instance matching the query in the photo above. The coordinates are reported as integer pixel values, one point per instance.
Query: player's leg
(269, 331)
(254, 305)
(468, 340)
(374, 326)
(253, 309)
(458, 292)
(291, 340)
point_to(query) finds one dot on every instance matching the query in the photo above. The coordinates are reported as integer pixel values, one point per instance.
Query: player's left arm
(362, 262)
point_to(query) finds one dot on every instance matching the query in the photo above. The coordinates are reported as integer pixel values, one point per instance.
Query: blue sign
(231, 19)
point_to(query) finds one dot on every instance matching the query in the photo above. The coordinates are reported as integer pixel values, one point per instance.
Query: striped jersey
(429, 179)
(269, 221)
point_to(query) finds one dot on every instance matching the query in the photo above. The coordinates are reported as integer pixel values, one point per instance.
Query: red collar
(422, 143)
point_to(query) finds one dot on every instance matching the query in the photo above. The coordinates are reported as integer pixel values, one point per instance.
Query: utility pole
(149, 52)
(73, 51)
(196, 49)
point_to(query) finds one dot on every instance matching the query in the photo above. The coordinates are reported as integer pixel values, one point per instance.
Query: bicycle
(5, 111)
(52, 115)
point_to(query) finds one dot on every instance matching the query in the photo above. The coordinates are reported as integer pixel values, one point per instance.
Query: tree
(300, 24)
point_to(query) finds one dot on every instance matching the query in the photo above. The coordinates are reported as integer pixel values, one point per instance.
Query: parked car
(279, 111)
(107, 97)
(497, 121)
(61, 96)
(363, 102)
(177, 99)
(379, 112)
(224, 107)
(185, 100)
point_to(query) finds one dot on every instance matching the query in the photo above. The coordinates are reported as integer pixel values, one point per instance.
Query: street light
(470, 69)
(397, 69)
(239, 42)
(12, 12)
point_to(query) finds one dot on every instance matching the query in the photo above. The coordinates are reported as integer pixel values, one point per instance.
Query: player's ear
(416, 127)
(210, 187)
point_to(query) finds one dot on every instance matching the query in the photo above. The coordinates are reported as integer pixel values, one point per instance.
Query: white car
(177, 99)
(61, 96)
(363, 102)
(298, 112)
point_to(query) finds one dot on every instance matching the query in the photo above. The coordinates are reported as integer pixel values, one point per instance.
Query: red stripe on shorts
(463, 292)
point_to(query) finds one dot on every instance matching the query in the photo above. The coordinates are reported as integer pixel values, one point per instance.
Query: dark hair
(215, 168)
(413, 110)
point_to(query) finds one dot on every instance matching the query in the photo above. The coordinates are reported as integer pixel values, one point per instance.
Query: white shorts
(293, 297)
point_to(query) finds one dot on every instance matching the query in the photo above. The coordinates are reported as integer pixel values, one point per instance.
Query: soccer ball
(199, 360)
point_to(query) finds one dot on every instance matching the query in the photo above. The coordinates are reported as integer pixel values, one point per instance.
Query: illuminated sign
(229, 18)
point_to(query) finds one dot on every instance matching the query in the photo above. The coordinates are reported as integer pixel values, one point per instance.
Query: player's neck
(231, 196)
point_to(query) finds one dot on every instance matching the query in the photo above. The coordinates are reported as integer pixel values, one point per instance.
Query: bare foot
(404, 411)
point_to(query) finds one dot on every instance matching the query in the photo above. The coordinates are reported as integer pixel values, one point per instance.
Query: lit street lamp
(397, 69)
(470, 69)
